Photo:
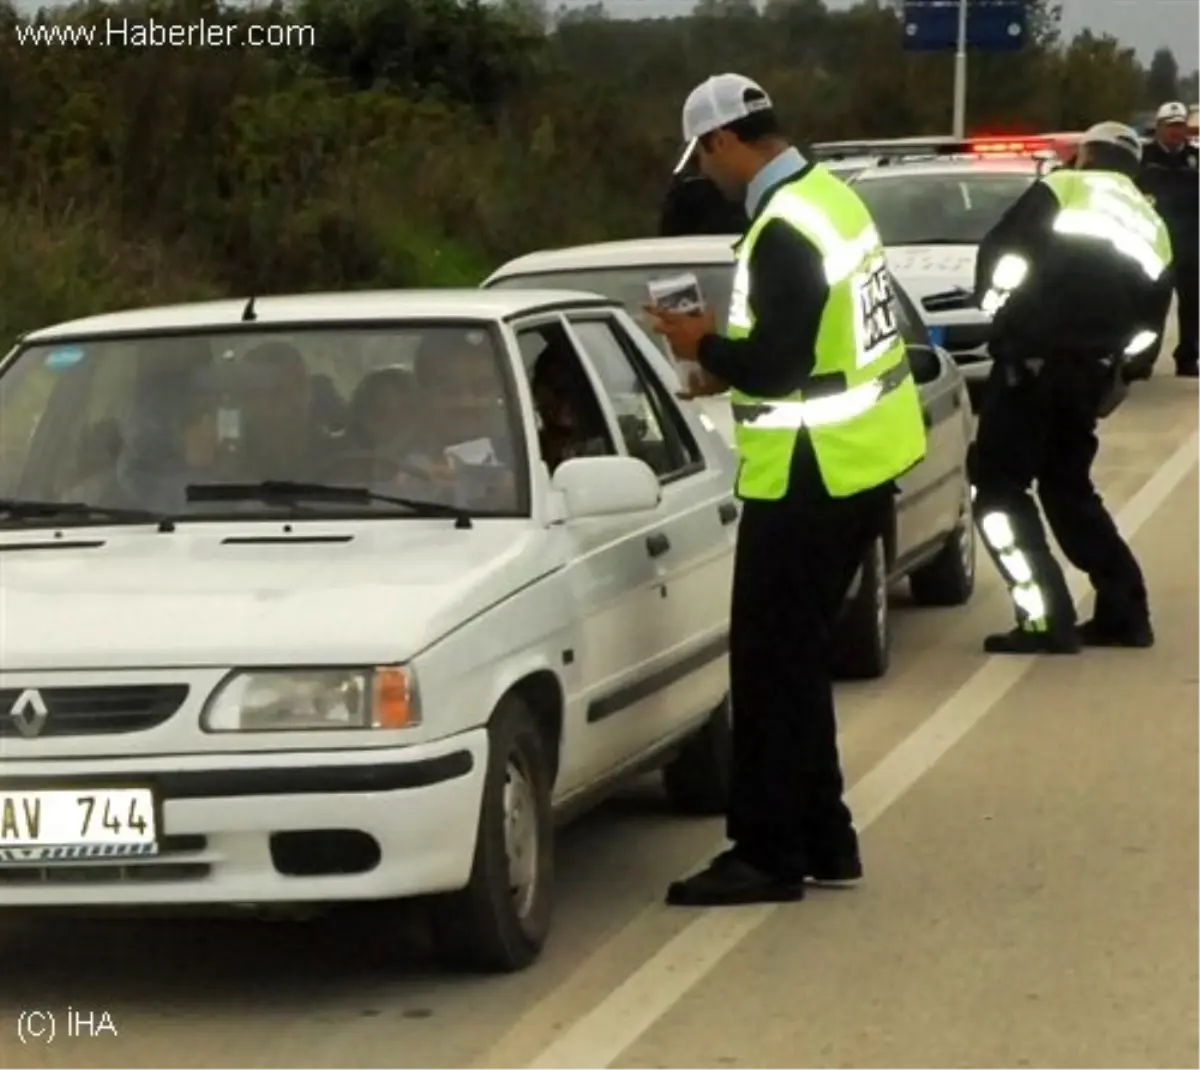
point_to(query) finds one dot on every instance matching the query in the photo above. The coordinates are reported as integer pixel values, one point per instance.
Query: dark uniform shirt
(693, 205)
(1081, 295)
(1173, 180)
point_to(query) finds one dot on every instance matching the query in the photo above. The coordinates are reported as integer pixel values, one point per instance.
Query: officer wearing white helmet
(1077, 277)
(1170, 176)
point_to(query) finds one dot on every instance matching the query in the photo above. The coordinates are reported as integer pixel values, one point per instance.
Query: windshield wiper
(33, 509)
(288, 492)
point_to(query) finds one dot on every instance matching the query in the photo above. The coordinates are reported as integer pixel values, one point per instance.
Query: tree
(1162, 80)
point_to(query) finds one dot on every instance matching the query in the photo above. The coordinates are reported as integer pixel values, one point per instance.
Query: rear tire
(863, 640)
(500, 921)
(697, 779)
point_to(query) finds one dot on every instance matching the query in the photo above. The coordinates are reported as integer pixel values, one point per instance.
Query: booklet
(680, 293)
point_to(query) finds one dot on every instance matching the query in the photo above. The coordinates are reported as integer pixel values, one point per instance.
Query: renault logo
(29, 713)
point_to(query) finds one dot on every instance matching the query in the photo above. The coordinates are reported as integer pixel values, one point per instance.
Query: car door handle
(728, 512)
(657, 544)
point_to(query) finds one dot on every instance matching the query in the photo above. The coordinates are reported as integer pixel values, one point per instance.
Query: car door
(615, 583)
(931, 494)
(693, 536)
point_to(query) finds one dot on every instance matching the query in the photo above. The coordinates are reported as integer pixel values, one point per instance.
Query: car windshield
(422, 411)
(939, 209)
(628, 285)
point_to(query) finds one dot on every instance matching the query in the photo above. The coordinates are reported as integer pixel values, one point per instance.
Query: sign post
(959, 26)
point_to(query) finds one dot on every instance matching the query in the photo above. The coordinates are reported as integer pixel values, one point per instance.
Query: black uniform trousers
(794, 564)
(1042, 427)
(1187, 293)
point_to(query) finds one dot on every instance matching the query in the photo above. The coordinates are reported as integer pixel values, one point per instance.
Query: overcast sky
(1143, 24)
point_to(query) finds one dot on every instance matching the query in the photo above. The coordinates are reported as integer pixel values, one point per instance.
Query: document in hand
(679, 293)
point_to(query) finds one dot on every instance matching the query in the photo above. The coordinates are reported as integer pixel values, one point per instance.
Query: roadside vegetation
(422, 142)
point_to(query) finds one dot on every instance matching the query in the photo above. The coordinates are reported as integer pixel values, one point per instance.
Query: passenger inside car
(572, 424)
(281, 440)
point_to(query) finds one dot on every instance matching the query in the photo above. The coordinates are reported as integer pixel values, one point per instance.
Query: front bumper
(286, 827)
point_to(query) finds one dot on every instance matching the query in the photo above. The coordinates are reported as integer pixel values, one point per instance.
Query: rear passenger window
(650, 424)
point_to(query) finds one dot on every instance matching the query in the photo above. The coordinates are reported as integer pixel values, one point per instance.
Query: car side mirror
(606, 486)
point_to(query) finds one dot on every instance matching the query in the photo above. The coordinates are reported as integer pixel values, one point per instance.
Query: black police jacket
(1081, 296)
(693, 205)
(1173, 180)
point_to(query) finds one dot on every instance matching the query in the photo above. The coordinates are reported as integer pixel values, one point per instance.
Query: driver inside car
(465, 455)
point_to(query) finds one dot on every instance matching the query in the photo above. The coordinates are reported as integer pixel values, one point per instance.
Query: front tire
(500, 921)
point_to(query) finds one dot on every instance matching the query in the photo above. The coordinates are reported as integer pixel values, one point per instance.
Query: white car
(931, 541)
(253, 656)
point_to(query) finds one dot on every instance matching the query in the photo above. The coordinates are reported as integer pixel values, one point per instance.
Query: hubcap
(520, 836)
(966, 542)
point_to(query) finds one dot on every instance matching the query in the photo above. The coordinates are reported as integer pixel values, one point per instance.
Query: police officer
(1170, 176)
(826, 417)
(694, 204)
(1077, 277)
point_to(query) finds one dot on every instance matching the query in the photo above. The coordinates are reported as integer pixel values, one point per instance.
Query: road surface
(1031, 895)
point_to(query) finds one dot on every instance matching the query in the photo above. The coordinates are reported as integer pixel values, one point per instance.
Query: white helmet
(1116, 134)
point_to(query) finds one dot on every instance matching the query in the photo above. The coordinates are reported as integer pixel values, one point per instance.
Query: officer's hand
(682, 330)
(702, 384)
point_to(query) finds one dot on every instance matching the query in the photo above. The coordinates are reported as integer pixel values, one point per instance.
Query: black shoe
(1093, 633)
(834, 869)
(729, 880)
(1019, 641)
(1187, 371)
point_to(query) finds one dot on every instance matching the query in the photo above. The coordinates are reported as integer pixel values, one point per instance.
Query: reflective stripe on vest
(822, 410)
(1109, 207)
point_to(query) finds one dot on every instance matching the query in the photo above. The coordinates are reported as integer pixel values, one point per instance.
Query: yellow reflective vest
(860, 405)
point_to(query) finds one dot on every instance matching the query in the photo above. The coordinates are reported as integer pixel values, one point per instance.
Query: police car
(933, 200)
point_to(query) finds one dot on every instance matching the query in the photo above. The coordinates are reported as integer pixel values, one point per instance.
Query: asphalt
(1030, 838)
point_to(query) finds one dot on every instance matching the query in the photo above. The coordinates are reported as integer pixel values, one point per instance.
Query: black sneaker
(1019, 641)
(1139, 635)
(835, 869)
(1187, 371)
(729, 880)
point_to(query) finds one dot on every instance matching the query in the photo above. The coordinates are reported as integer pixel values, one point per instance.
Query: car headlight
(305, 700)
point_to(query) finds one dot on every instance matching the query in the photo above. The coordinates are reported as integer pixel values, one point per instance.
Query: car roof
(980, 165)
(637, 252)
(361, 307)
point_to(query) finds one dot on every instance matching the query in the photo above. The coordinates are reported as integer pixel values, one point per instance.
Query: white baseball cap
(717, 102)
(1116, 134)
(1173, 111)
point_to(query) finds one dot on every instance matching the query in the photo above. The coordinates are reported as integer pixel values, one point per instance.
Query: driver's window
(570, 419)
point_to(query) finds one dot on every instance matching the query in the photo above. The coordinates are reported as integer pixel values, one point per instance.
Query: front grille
(964, 337)
(87, 711)
(179, 858)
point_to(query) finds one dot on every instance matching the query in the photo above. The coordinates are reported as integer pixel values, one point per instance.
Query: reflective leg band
(1026, 594)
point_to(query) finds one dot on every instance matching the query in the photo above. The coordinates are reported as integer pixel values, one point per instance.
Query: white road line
(598, 1038)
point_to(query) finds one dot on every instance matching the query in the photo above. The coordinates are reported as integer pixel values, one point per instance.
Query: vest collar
(770, 192)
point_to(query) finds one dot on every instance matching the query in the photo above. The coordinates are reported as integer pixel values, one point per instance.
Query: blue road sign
(992, 25)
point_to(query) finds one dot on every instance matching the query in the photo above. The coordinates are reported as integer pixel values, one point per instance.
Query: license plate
(77, 824)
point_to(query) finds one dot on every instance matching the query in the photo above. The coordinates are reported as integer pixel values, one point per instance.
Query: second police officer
(1076, 275)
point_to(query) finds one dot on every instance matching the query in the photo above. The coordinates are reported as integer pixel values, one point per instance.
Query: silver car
(931, 541)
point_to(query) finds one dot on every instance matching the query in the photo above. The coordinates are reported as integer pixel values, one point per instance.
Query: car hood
(190, 598)
(929, 269)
